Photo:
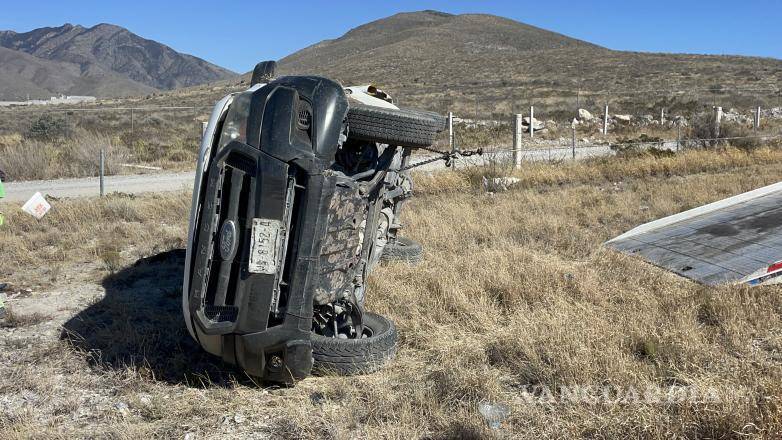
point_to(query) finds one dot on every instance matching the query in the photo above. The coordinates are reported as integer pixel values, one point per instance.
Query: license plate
(264, 245)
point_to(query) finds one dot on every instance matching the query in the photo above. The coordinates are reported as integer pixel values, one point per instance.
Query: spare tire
(403, 249)
(402, 127)
(263, 72)
(356, 356)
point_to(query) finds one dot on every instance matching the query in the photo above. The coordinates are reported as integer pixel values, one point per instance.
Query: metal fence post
(573, 144)
(605, 120)
(662, 116)
(450, 131)
(131, 127)
(678, 136)
(531, 121)
(517, 141)
(102, 171)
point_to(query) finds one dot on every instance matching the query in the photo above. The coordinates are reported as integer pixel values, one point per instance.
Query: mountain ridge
(117, 61)
(480, 63)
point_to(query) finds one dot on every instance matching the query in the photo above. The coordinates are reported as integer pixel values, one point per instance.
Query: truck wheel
(403, 249)
(263, 72)
(355, 356)
(405, 128)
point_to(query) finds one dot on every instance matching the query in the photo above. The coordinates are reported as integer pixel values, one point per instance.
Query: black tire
(406, 128)
(403, 249)
(356, 356)
(263, 72)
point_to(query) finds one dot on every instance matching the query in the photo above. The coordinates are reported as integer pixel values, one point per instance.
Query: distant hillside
(23, 75)
(104, 60)
(482, 63)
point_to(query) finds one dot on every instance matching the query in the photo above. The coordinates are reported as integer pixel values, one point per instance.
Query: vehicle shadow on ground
(138, 327)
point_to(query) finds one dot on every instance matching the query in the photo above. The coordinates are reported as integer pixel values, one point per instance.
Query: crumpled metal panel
(341, 246)
(736, 240)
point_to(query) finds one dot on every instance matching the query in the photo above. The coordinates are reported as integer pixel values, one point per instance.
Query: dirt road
(140, 183)
(90, 186)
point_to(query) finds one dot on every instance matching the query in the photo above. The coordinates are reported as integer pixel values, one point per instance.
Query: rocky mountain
(476, 63)
(103, 60)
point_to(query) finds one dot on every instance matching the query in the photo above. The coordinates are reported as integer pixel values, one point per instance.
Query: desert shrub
(76, 157)
(634, 147)
(9, 140)
(109, 253)
(154, 121)
(740, 136)
(147, 150)
(180, 155)
(49, 128)
(703, 127)
(474, 135)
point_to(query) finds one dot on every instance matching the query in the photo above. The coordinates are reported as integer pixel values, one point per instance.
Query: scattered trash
(499, 183)
(236, 418)
(141, 167)
(494, 414)
(122, 408)
(37, 206)
(190, 436)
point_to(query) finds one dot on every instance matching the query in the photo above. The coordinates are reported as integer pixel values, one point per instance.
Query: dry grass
(515, 291)
(28, 159)
(92, 230)
(14, 320)
(605, 169)
(69, 143)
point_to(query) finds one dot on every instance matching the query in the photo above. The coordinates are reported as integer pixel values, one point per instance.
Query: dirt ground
(515, 300)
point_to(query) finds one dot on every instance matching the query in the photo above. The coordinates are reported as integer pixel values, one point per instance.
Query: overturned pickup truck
(297, 196)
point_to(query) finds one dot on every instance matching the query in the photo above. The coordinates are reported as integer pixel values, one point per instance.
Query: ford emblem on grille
(228, 240)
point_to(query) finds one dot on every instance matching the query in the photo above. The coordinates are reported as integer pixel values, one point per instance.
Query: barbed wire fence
(527, 125)
(599, 123)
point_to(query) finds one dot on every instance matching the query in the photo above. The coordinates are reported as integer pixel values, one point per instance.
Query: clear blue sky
(235, 34)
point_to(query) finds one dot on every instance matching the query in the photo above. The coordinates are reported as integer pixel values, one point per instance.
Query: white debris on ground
(496, 184)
